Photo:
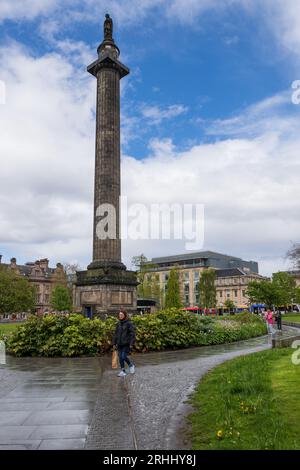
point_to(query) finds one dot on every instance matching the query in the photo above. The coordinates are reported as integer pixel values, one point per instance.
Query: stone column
(107, 167)
(106, 285)
(108, 71)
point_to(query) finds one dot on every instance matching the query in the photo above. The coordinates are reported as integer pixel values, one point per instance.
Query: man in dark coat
(124, 339)
(279, 319)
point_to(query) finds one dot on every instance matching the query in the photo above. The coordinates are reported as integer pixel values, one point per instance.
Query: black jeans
(123, 356)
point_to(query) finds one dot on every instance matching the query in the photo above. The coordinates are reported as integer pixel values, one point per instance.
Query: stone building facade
(42, 277)
(232, 276)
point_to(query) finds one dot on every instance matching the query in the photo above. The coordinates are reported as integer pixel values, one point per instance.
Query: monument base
(104, 288)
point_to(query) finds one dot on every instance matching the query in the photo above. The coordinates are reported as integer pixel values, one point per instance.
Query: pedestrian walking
(270, 321)
(123, 340)
(279, 320)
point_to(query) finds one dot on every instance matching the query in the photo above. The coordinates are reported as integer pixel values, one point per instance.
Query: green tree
(285, 286)
(264, 292)
(139, 261)
(207, 289)
(16, 293)
(70, 270)
(297, 295)
(60, 298)
(172, 298)
(229, 304)
(149, 285)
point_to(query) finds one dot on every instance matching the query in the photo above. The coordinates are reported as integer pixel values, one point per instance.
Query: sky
(207, 118)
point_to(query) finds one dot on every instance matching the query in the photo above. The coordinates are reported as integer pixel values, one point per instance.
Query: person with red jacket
(269, 317)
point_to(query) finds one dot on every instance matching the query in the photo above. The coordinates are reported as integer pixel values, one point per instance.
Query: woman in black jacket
(124, 339)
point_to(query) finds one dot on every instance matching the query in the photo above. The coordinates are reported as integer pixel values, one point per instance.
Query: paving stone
(67, 431)
(62, 444)
(71, 405)
(54, 417)
(16, 432)
(12, 418)
(22, 444)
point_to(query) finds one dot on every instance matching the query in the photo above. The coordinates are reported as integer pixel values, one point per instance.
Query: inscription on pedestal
(121, 298)
(91, 297)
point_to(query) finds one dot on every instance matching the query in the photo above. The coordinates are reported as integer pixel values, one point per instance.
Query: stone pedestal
(103, 291)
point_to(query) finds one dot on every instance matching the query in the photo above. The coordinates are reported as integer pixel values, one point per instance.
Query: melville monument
(106, 285)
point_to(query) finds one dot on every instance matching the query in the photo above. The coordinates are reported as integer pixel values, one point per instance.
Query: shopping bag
(114, 360)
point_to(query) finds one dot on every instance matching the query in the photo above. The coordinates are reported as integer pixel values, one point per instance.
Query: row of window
(219, 282)
(235, 292)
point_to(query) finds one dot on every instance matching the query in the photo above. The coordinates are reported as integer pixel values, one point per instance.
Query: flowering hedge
(75, 335)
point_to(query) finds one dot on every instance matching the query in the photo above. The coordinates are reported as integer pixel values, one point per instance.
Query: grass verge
(251, 402)
(292, 317)
(6, 328)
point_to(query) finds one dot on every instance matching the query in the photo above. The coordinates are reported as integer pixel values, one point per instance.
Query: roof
(235, 272)
(193, 255)
(230, 272)
(26, 269)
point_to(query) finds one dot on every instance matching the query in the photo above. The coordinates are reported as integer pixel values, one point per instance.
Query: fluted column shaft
(107, 165)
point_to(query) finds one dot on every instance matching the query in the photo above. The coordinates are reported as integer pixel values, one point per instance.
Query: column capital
(108, 62)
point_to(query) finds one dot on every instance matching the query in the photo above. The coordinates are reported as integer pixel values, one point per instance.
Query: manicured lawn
(8, 327)
(294, 317)
(251, 402)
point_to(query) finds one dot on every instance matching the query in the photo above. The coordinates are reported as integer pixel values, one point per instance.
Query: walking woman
(124, 339)
(270, 321)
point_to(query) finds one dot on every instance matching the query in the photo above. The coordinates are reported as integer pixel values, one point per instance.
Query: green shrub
(76, 335)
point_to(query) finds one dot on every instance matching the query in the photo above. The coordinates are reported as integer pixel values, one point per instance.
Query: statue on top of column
(108, 27)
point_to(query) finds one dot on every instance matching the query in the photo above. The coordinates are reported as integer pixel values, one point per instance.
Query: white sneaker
(132, 369)
(122, 374)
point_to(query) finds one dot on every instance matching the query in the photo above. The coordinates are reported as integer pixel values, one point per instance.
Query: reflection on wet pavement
(47, 403)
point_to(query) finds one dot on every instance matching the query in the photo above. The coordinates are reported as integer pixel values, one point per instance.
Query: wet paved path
(47, 403)
(144, 411)
(80, 403)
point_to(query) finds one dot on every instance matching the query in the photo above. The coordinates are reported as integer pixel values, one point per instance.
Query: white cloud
(232, 40)
(273, 113)
(156, 115)
(249, 182)
(282, 18)
(249, 189)
(25, 9)
(46, 149)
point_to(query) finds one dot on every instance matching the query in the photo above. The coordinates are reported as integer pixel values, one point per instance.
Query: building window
(235, 293)
(228, 294)
(244, 293)
(221, 293)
